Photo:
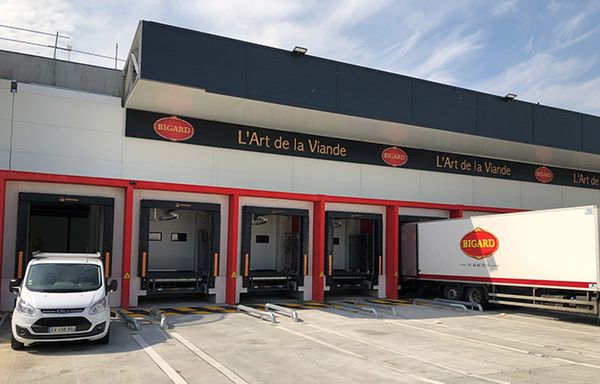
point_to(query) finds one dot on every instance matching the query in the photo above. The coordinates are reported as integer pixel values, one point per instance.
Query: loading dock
(178, 247)
(353, 250)
(63, 223)
(274, 249)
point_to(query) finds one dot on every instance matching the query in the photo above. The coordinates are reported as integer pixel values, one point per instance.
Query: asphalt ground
(331, 344)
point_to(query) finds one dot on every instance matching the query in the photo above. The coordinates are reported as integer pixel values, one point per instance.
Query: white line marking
(210, 360)
(162, 364)
(545, 346)
(538, 324)
(395, 351)
(347, 352)
(500, 346)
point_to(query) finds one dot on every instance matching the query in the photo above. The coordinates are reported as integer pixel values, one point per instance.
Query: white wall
(6, 102)
(70, 132)
(67, 132)
(176, 255)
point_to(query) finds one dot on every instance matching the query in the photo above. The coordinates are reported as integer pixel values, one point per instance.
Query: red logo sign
(394, 156)
(544, 175)
(173, 128)
(479, 244)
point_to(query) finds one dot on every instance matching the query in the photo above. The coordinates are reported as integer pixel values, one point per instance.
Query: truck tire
(16, 345)
(105, 339)
(451, 292)
(476, 295)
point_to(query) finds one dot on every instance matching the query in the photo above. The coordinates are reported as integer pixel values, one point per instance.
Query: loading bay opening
(274, 250)
(63, 223)
(353, 251)
(178, 247)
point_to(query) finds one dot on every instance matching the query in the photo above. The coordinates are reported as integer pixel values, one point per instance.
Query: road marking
(556, 348)
(162, 364)
(228, 373)
(509, 317)
(347, 352)
(499, 346)
(394, 351)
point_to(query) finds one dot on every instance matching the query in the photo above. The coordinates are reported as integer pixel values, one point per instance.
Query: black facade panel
(277, 76)
(502, 119)
(373, 94)
(444, 107)
(194, 59)
(591, 134)
(556, 128)
(245, 70)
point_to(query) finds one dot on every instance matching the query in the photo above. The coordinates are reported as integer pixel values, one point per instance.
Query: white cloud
(444, 41)
(504, 7)
(549, 80)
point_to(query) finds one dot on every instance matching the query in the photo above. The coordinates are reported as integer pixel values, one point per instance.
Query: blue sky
(544, 51)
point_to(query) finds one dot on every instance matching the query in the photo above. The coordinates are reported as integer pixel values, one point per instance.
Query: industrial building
(217, 168)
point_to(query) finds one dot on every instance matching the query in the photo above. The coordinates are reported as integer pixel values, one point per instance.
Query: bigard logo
(479, 244)
(173, 128)
(394, 156)
(544, 175)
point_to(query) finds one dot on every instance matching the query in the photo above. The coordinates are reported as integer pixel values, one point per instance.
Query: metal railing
(258, 313)
(283, 310)
(436, 303)
(356, 308)
(56, 47)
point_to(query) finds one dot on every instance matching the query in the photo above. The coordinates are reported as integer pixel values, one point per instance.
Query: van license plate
(62, 329)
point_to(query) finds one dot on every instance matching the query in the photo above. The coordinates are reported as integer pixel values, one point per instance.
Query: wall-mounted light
(510, 96)
(299, 51)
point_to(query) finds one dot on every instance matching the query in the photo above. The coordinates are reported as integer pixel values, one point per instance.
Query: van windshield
(63, 278)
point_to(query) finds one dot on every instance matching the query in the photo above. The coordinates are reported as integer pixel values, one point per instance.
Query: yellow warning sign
(233, 275)
(321, 274)
(396, 274)
(127, 276)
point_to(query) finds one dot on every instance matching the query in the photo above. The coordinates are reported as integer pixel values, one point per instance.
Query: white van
(62, 297)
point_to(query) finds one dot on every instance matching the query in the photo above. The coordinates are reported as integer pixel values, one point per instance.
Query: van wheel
(476, 295)
(105, 339)
(451, 292)
(15, 344)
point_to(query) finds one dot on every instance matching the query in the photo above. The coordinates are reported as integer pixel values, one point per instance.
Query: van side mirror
(14, 286)
(112, 286)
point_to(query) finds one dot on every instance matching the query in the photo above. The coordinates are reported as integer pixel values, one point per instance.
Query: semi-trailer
(542, 259)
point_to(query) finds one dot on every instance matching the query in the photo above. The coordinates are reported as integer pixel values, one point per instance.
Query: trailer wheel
(451, 292)
(476, 295)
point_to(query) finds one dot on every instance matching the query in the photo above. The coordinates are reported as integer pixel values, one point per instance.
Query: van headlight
(99, 306)
(25, 308)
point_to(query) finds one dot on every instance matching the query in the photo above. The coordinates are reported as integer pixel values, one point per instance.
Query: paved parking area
(331, 345)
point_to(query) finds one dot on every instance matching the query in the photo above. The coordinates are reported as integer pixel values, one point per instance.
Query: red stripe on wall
(232, 247)
(234, 194)
(391, 252)
(501, 280)
(127, 234)
(318, 267)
